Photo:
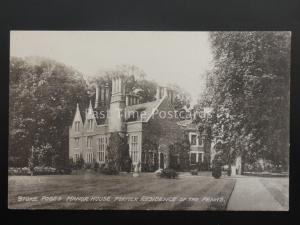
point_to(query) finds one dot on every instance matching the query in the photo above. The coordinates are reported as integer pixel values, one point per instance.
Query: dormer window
(77, 125)
(90, 124)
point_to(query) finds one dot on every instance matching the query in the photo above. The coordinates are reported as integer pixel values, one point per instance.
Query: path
(250, 194)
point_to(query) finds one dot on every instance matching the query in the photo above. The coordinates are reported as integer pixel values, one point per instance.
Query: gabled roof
(147, 109)
(77, 116)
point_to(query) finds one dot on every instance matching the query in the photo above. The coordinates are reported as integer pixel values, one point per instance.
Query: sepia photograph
(149, 120)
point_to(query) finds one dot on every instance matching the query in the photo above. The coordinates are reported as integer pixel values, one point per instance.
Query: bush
(96, 166)
(40, 170)
(217, 167)
(127, 165)
(17, 171)
(87, 166)
(168, 173)
(194, 172)
(66, 170)
(229, 171)
(108, 170)
(78, 164)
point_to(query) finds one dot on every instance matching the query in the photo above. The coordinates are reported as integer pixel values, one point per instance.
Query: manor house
(149, 130)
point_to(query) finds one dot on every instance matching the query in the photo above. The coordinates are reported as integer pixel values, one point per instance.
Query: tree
(135, 80)
(249, 82)
(118, 153)
(181, 102)
(43, 97)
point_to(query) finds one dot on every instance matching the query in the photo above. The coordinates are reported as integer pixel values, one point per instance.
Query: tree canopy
(248, 89)
(43, 97)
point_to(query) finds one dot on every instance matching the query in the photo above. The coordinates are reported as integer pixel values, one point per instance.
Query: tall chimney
(117, 106)
(107, 94)
(97, 96)
(102, 96)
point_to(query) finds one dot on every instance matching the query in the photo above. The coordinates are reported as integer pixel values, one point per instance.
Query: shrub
(66, 170)
(38, 170)
(168, 173)
(118, 152)
(96, 166)
(229, 171)
(17, 171)
(194, 172)
(87, 166)
(127, 165)
(79, 163)
(109, 170)
(217, 167)
(41, 170)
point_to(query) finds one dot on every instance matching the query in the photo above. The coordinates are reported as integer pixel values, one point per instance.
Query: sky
(167, 57)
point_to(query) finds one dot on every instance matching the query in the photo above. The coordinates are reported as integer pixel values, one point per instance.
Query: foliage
(32, 161)
(127, 165)
(168, 173)
(58, 162)
(118, 153)
(14, 171)
(43, 97)
(135, 81)
(96, 166)
(248, 84)
(87, 166)
(149, 148)
(37, 170)
(109, 170)
(217, 167)
(181, 102)
(194, 172)
(179, 155)
(42, 170)
(79, 163)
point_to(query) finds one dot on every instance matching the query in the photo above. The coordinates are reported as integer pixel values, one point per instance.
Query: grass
(190, 192)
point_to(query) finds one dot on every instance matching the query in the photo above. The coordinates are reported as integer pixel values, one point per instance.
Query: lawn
(95, 191)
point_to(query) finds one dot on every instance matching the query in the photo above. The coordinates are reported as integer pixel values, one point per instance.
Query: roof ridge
(159, 103)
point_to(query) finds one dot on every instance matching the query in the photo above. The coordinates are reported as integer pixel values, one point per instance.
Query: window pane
(193, 158)
(193, 139)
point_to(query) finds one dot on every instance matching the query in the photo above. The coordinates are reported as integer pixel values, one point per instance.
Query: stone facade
(89, 138)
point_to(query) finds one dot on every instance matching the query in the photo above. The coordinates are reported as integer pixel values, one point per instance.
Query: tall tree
(249, 91)
(43, 97)
(136, 81)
